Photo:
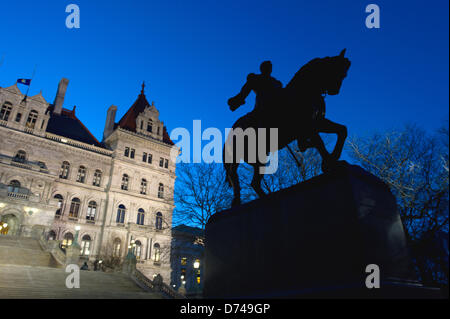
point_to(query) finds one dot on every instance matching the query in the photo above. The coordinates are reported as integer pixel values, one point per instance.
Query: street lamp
(77, 231)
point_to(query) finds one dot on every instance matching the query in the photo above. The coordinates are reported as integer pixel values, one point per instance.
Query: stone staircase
(26, 271)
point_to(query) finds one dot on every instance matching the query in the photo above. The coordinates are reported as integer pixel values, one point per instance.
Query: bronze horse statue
(304, 95)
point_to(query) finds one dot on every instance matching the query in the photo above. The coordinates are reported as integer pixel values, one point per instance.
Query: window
(159, 220)
(142, 125)
(138, 249)
(42, 124)
(143, 186)
(198, 277)
(150, 158)
(166, 163)
(161, 190)
(183, 261)
(140, 217)
(85, 245)
(18, 117)
(74, 208)
(65, 167)
(5, 111)
(127, 152)
(91, 210)
(156, 252)
(14, 186)
(144, 157)
(132, 153)
(97, 178)
(161, 162)
(67, 241)
(60, 199)
(125, 180)
(116, 247)
(81, 177)
(150, 126)
(158, 132)
(121, 214)
(32, 118)
(20, 157)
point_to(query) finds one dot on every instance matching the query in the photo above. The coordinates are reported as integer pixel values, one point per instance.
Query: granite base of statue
(313, 240)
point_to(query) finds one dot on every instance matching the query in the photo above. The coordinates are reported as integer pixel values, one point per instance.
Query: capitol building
(57, 180)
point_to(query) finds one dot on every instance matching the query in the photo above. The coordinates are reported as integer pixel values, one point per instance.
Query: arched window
(125, 180)
(5, 111)
(161, 190)
(74, 208)
(67, 241)
(156, 252)
(97, 178)
(14, 186)
(32, 118)
(116, 247)
(150, 126)
(159, 220)
(143, 186)
(81, 177)
(121, 214)
(91, 210)
(138, 249)
(60, 200)
(20, 156)
(51, 235)
(65, 167)
(85, 245)
(140, 217)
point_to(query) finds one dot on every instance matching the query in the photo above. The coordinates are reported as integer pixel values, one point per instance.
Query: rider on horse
(266, 88)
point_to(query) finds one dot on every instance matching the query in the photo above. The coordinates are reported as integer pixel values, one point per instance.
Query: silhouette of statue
(298, 111)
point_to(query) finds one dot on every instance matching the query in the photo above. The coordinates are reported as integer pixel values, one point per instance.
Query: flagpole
(34, 71)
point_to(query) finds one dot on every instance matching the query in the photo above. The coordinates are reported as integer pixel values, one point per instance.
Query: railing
(29, 130)
(17, 195)
(78, 144)
(3, 123)
(141, 279)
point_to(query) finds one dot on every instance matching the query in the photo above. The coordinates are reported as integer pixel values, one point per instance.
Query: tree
(201, 189)
(414, 165)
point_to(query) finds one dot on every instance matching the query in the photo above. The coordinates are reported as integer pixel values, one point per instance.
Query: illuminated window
(85, 245)
(67, 241)
(74, 207)
(97, 178)
(65, 167)
(91, 211)
(81, 177)
(143, 186)
(184, 261)
(156, 252)
(125, 180)
(31, 121)
(138, 249)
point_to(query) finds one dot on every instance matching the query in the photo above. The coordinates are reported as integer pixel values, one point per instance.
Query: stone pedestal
(314, 237)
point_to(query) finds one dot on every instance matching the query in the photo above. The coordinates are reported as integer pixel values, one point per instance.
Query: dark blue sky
(194, 55)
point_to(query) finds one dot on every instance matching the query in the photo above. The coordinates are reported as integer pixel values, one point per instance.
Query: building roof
(128, 120)
(189, 230)
(68, 125)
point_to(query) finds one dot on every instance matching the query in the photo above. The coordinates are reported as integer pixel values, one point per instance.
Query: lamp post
(77, 231)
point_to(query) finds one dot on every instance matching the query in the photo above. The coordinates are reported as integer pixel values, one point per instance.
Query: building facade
(57, 179)
(188, 259)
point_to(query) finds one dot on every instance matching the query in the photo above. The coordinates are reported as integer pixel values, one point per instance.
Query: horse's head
(337, 68)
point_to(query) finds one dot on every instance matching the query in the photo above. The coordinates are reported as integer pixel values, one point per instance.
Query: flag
(24, 81)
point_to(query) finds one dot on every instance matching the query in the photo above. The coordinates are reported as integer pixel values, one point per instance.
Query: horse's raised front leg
(327, 126)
